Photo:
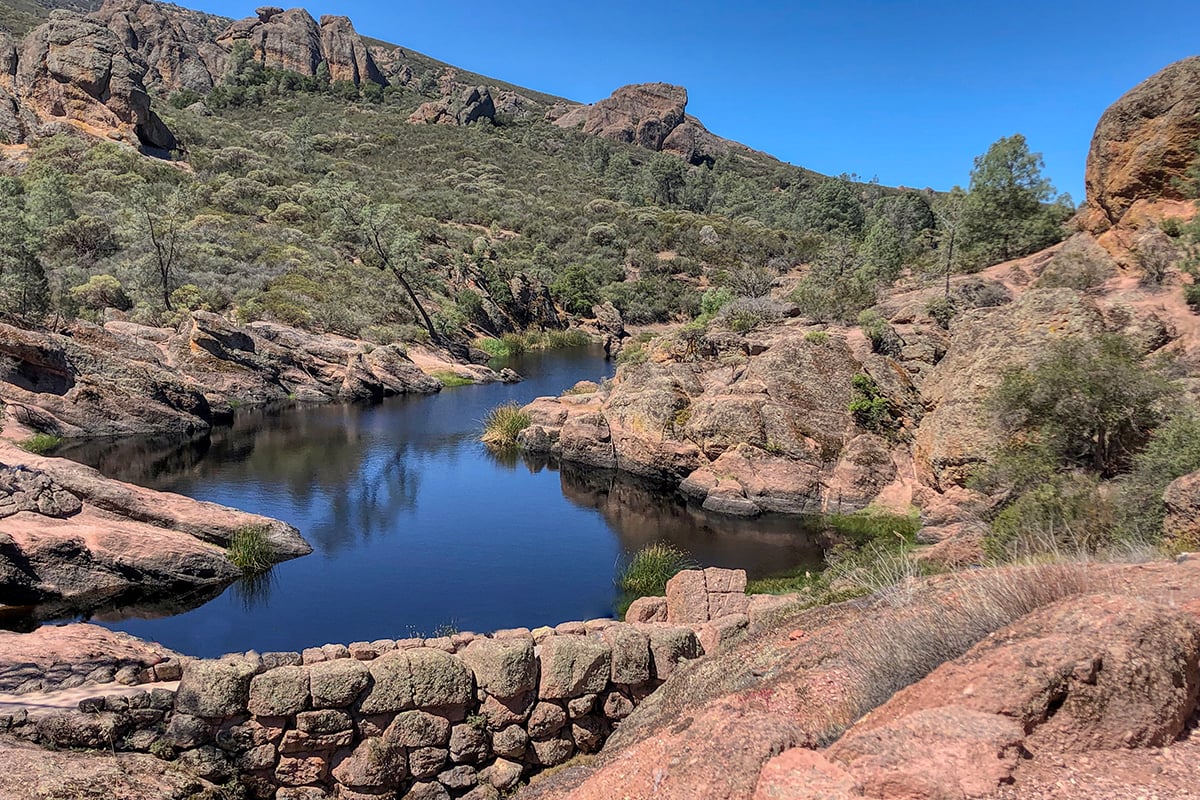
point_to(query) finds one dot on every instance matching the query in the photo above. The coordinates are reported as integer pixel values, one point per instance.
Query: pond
(416, 526)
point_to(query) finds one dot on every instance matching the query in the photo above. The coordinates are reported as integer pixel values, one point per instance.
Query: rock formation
(1144, 144)
(75, 70)
(475, 103)
(292, 40)
(178, 45)
(1182, 499)
(71, 537)
(127, 378)
(650, 115)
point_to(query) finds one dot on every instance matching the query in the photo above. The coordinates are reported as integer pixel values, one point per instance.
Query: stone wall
(459, 716)
(462, 716)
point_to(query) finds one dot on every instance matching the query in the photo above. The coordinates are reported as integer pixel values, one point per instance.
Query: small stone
(570, 629)
(588, 733)
(170, 670)
(335, 651)
(578, 706)
(503, 774)
(418, 729)
(431, 790)
(459, 778)
(482, 792)
(363, 651)
(426, 762)
(468, 744)
(501, 712)
(510, 742)
(553, 751)
(375, 764)
(669, 646)
(300, 770)
(723, 633)
(313, 655)
(185, 731)
(281, 659)
(324, 722)
(546, 720)
(207, 763)
(617, 706)
(256, 758)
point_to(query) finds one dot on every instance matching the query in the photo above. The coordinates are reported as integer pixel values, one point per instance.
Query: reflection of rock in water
(164, 603)
(643, 512)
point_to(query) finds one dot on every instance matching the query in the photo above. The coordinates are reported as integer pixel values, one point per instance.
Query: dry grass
(900, 648)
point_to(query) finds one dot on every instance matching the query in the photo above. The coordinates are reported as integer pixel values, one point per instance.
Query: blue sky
(909, 92)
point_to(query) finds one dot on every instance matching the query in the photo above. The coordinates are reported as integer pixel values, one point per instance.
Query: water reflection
(415, 524)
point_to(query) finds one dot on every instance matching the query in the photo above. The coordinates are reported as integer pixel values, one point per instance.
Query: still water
(416, 526)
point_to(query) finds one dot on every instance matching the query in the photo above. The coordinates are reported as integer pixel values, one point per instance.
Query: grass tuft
(503, 423)
(649, 570)
(40, 444)
(451, 379)
(249, 549)
(493, 347)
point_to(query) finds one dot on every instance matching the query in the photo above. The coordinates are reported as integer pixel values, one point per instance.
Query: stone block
(553, 751)
(725, 580)
(279, 692)
(723, 633)
(630, 654)
(573, 666)
(669, 646)
(503, 667)
(687, 597)
(469, 745)
(722, 604)
(546, 720)
(503, 774)
(374, 765)
(510, 742)
(215, 688)
(337, 684)
(427, 762)
(301, 770)
(647, 609)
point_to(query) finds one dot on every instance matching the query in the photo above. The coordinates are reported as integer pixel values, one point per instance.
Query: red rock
(687, 597)
(803, 774)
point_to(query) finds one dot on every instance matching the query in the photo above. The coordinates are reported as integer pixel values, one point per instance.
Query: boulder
(1182, 524)
(337, 684)
(1144, 144)
(279, 692)
(216, 689)
(504, 668)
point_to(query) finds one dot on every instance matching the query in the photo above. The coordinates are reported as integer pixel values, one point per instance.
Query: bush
(569, 338)
(747, 313)
(882, 336)
(493, 347)
(1068, 515)
(41, 443)
(502, 425)
(1191, 296)
(816, 337)
(1088, 403)
(250, 550)
(870, 409)
(941, 310)
(451, 379)
(1172, 452)
(101, 292)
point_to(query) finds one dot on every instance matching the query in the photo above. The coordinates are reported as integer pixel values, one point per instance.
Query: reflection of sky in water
(415, 525)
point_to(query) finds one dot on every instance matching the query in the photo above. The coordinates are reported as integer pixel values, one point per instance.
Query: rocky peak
(178, 45)
(473, 104)
(650, 115)
(294, 41)
(346, 53)
(75, 70)
(1143, 144)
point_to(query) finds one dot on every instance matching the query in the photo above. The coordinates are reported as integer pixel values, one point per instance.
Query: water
(416, 526)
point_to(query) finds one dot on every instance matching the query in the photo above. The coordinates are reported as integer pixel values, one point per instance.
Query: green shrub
(41, 443)
(514, 343)
(503, 423)
(747, 313)
(1172, 452)
(1191, 296)
(941, 310)
(1069, 515)
(493, 347)
(632, 354)
(250, 550)
(870, 409)
(873, 523)
(568, 338)
(817, 337)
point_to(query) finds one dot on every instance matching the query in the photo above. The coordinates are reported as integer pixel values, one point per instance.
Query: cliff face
(77, 71)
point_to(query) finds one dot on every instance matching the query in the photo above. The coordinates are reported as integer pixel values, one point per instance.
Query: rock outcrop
(475, 103)
(75, 70)
(125, 378)
(1144, 144)
(178, 45)
(71, 537)
(650, 115)
(292, 40)
(744, 425)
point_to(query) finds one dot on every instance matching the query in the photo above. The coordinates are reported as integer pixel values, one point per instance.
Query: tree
(1084, 403)
(1010, 209)
(24, 288)
(160, 215)
(380, 237)
(949, 212)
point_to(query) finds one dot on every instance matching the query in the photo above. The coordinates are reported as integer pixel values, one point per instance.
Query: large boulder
(1144, 143)
(650, 115)
(75, 69)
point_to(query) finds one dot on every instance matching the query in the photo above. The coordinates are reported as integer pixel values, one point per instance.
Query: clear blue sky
(909, 92)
